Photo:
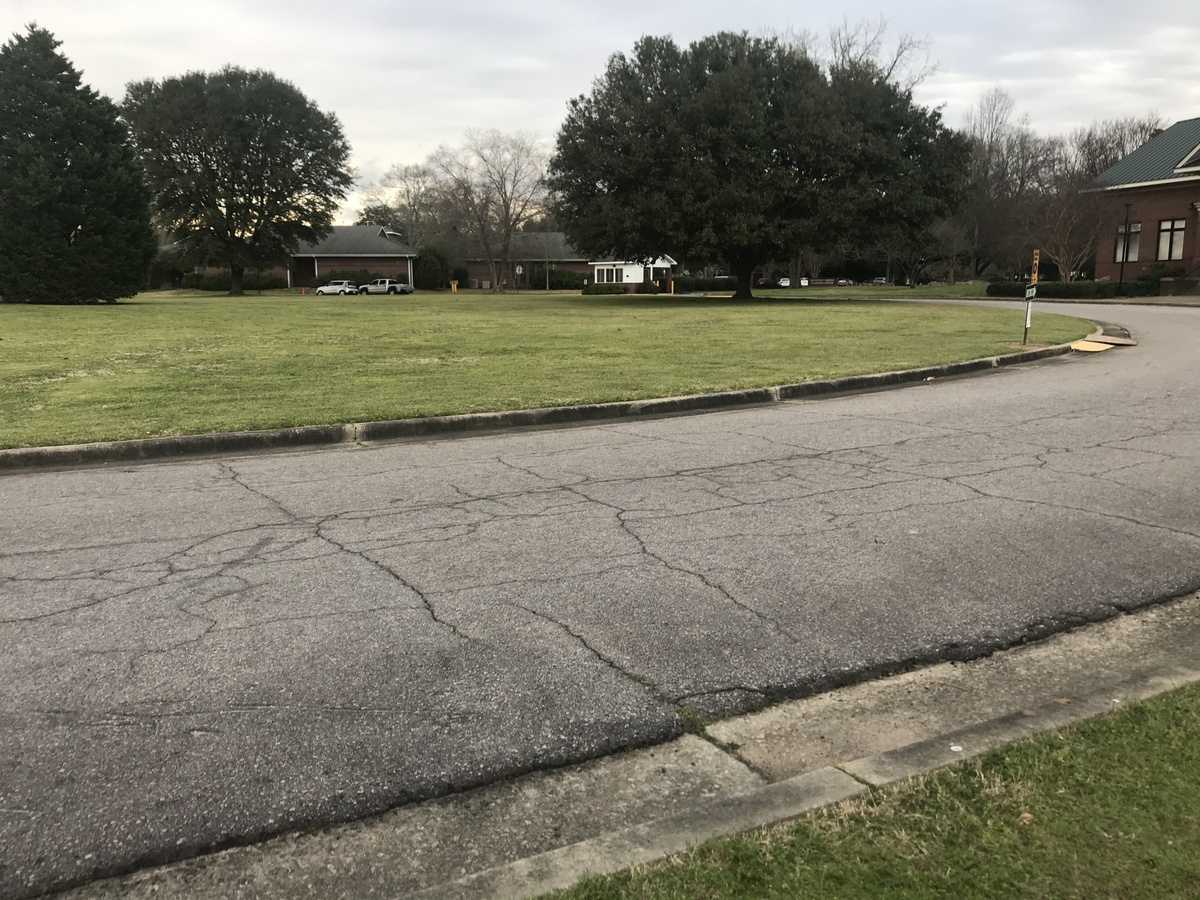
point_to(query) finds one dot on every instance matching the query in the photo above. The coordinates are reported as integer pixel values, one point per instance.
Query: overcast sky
(405, 76)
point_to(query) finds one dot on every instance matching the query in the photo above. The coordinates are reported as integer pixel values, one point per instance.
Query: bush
(462, 275)
(604, 289)
(1144, 285)
(1149, 280)
(560, 279)
(1076, 290)
(220, 281)
(431, 270)
(687, 284)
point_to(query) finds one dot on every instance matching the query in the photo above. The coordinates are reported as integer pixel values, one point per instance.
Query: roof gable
(1191, 162)
(357, 240)
(1174, 153)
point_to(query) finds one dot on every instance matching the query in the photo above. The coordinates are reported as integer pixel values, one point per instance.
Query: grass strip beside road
(176, 364)
(1107, 808)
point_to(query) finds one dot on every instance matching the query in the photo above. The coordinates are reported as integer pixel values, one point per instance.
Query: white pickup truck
(385, 286)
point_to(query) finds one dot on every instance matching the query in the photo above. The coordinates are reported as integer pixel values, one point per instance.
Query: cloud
(404, 77)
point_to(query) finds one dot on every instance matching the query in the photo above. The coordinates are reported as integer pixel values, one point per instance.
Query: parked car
(338, 287)
(844, 282)
(880, 280)
(803, 282)
(785, 282)
(385, 286)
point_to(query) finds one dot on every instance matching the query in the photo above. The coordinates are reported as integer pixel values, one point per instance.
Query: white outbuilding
(633, 274)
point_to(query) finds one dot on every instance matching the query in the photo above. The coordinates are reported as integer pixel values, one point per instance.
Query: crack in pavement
(387, 570)
(771, 623)
(608, 661)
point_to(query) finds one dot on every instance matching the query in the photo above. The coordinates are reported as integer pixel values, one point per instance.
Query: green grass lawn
(174, 363)
(1109, 808)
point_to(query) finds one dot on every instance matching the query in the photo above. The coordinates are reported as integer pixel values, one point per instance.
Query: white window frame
(1170, 239)
(1133, 246)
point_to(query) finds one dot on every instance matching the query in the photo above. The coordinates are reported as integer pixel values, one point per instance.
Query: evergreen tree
(75, 214)
(243, 166)
(743, 149)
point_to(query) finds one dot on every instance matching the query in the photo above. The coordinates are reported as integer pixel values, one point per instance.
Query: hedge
(560, 279)
(221, 281)
(1145, 285)
(688, 284)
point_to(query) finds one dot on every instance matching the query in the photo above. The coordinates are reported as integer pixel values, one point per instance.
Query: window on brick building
(1170, 239)
(1134, 242)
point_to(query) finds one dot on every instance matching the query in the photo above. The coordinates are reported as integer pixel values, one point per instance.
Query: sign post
(1030, 294)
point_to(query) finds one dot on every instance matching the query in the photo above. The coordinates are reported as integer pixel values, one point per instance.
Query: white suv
(338, 287)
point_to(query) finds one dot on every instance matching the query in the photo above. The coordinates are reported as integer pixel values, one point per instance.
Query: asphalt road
(208, 652)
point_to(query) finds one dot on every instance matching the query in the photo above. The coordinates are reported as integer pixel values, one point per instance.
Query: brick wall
(478, 271)
(1149, 206)
(303, 275)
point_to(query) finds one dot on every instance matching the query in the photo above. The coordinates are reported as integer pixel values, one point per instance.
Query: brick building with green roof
(1158, 186)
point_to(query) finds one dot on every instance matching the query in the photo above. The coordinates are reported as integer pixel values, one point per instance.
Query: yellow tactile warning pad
(1090, 346)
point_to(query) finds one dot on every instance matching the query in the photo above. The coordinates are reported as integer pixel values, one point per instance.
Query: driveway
(212, 651)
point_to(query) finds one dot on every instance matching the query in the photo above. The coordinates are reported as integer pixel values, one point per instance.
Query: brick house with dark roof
(530, 250)
(370, 247)
(1158, 186)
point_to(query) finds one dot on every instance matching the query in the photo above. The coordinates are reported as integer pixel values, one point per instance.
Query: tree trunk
(745, 275)
(235, 281)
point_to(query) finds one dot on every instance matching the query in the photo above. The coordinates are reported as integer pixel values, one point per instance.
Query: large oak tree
(242, 165)
(742, 148)
(74, 210)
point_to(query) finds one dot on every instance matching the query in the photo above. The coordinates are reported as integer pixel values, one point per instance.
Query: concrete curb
(196, 445)
(789, 799)
(641, 844)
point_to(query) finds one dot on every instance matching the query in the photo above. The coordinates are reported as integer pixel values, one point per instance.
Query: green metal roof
(1159, 159)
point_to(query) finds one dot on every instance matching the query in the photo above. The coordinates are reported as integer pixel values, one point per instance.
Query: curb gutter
(175, 447)
(787, 800)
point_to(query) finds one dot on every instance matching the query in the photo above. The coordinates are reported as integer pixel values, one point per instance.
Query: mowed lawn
(175, 364)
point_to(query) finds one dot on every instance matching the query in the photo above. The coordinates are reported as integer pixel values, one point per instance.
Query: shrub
(1149, 280)
(462, 275)
(604, 289)
(220, 281)
(687, 284)
(1076, 290)
(431, 270)
(560, 279)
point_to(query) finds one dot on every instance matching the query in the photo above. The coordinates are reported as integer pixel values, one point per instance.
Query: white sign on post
(1030, 291)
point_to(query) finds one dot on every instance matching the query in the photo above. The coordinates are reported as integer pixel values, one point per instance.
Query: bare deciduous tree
(1009, 165)
(906, 63)
(496, 182)
(404, 197)
(1031, 190)
(1102, 145)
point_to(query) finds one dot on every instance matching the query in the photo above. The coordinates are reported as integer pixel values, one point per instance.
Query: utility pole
(1124, 249)
(1030, 293)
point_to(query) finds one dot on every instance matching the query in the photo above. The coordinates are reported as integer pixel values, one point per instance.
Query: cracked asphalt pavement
(207, 652)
